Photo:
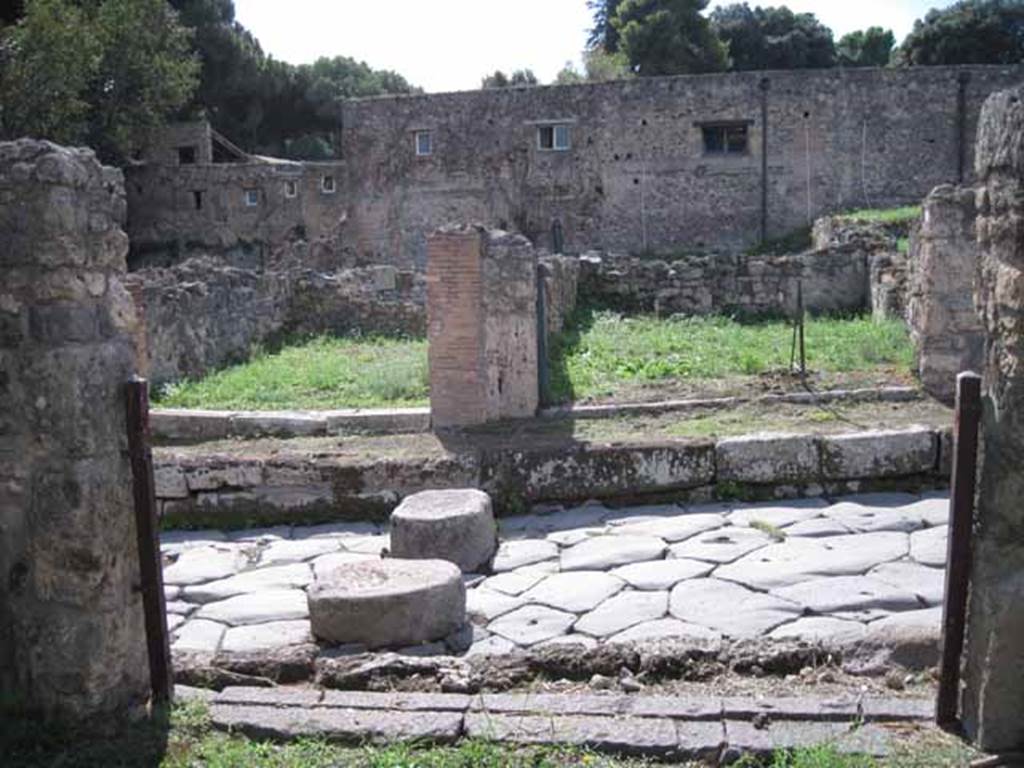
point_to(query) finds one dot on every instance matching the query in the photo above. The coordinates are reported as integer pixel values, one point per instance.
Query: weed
(772, 530)
(903, 215)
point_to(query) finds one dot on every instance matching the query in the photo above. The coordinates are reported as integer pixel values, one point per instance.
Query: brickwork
(482, 326)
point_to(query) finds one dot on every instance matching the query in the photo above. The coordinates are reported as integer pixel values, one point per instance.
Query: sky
(449, 45)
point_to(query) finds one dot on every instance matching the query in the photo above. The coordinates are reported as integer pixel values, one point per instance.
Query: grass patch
(187, 740)
(795, 241)
(903, 215)
(319, 374)
(604, 351)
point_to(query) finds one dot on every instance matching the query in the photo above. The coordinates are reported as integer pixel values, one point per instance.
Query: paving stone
(721, 546)
(483, 604)
(532, 624)
(204, 563)
(576, 591)
(516, 554)
(355, 726)
(265, 637)
(574, 536)
(929, 584)
(816, 528)
(585, 516)
(605, 552)
(910, 639)
(369, 545)
(933, 508)
(583, 642)
(622, 611)
(801, 559)
(673, 529)
(199, 635)
(779, 514)
(827, 630)
(173, 542)
(258, 607)
(532, 703)
(171, 592)
(862, 516)
(669, 629)
(277, 577)
(855, 597)
(661, 574)
(471, 580)
(491, 646)
(928, 547)
(746, 738)
(179, 607)
(174, 620)
(514, 582)
(261, 535)
(286, 551)
(642, 513)
(396, 701)
(677, 707)
(324, 564)
(729, 608)
(335, 530)
(627, 736)
(279, 696)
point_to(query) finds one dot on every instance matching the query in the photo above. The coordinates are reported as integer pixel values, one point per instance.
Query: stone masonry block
(768, 458)
(880, 453)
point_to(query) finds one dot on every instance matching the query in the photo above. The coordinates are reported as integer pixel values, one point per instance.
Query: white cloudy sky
(447, 45)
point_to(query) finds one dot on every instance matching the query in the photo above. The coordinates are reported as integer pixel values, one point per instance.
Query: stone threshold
(717, 729)
(174, 425)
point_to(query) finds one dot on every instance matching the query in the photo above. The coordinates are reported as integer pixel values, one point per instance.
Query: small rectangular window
(553, 138)
(252, 198)
(291, 189)
(197, 199)
(424, 143)
(186, 155)
(327, 185)
(725, 138)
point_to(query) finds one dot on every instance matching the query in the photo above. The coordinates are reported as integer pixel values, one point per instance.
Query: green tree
(601, 66)
(968, 32)
(773, 38)
(499, 79)
(146, 73)
(47, 61)
(668, 37)
(569, 75)
(603, 34)
(870, 47)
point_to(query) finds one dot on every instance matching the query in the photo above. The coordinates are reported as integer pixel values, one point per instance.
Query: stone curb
(194, 425)
(662, 726)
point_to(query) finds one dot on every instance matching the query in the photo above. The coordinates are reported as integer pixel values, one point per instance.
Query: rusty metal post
(147, 531)
(958, 551)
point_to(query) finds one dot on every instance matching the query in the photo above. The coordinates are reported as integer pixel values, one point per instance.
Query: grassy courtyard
(604, 356)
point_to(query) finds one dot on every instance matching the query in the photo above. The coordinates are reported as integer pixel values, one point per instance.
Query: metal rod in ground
(147, 532)
(800, 309)
(958, 551)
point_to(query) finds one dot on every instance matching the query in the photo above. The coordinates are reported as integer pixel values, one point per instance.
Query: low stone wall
(197, 487)
(201, 315)
(947, 331)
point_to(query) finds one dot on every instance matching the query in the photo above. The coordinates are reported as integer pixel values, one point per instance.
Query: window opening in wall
(186, 155)
(252, 198)
(553, 138)
(424, 143)
(291, 189)
(725, 138)
(197, 199)
(327, 185)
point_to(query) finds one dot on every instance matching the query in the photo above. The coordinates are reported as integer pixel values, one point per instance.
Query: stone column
(944, 324)
(482, 326)
(994, 675)
(72, 642)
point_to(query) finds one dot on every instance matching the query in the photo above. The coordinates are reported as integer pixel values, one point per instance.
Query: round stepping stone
(388, 602)
(455, 525)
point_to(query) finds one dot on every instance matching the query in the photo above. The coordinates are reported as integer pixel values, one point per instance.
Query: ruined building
(647, 165)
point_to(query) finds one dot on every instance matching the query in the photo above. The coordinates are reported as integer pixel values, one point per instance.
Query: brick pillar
(994, 674)
(482, 326)
(72, 642)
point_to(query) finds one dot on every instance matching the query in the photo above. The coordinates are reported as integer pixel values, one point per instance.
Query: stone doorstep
(284, 715)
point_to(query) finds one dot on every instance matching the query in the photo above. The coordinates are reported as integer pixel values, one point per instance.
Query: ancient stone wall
(243, 213)
(994, 696)
(637, 174)
(201, 315)
(72, 642)
(947, 332)
(482, 326)
(561, 275)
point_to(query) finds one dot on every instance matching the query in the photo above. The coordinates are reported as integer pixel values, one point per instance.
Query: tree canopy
(668, 37)
(968, 32)
(773, 38)
(870, 47)
(499, 79)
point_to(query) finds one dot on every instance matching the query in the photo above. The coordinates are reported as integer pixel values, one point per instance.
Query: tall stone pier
(482, 326)
(994, 675)
(72, 642)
